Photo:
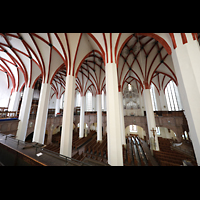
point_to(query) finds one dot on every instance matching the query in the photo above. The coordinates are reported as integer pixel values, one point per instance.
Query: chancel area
(100, 99)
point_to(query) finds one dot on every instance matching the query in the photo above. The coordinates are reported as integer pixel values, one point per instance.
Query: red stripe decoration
(184, 39)
(111, 47)
(173, 40)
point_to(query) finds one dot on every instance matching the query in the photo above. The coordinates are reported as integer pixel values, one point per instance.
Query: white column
(14, 101)
(151, 123)
(82, 117)
(93, 102)
(186, 72)
(114, 143)
(99, 117)
(105, 106)
(24, 113)
(68, 116)
(193, 51)
(42, 111)
(57, 108)
(121, 112)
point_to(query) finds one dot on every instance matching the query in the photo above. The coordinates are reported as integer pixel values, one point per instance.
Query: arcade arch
(135, 129)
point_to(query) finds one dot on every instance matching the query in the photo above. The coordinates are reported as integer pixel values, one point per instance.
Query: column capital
(146, 85)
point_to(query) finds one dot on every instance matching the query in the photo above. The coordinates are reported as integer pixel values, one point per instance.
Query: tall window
(158, 130)
(172, 97)
(133, 128)
(78, 99)
(89, 101)
(129, 87)
(102, 100)
(153, 97)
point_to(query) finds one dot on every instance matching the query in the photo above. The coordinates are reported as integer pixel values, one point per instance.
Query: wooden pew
(82, 141)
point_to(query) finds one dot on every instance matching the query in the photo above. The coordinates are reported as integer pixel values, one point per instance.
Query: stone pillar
(49, 137)
(82, 117)
(42, 111)
(105, 103)
(68, 117)
(150, 119)
(50, 128)
(14, 101)
(93, 102)
(113, 116)
(186, 59)
(99, 117)
(121, 112)
(24, 113)
(57, 108)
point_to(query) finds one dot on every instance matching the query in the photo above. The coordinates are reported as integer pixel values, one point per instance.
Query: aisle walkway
(148, 153)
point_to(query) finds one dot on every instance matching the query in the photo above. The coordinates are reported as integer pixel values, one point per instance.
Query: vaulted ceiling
(141, 59)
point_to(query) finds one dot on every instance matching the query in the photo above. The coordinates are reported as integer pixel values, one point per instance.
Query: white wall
(164, 133)
(4, 91)
(140, 132)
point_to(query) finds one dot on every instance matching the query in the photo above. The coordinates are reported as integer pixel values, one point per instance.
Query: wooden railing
(3, 108)
(8, 114)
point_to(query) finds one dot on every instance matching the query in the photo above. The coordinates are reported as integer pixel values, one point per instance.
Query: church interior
(99, 99)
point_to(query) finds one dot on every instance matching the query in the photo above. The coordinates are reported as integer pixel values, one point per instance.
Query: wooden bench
(82, 141)
(166, 163)
(101, 146)
(87, 146)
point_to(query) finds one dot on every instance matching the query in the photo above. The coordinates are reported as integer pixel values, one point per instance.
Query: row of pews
(78, 156)
(133, 153)
(168, 157)
(97, 149)
(78, 142)
(53, 147)
(91, 148)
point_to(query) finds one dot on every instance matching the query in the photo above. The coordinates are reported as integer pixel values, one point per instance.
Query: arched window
(102, 100)
(133, 128)
(88, 101)
(78, 99)
(172, 97)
